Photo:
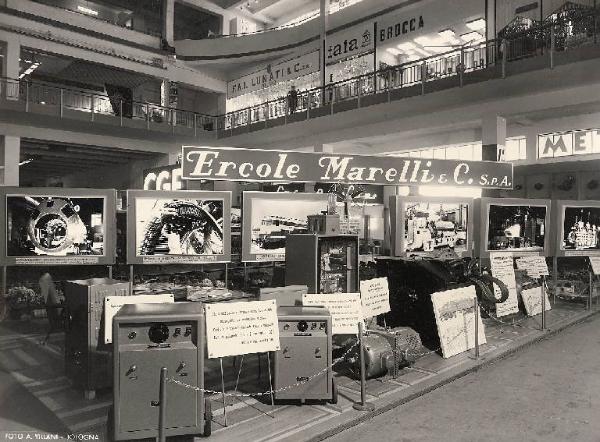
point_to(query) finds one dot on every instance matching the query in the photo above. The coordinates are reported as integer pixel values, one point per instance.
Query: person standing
(292, 99)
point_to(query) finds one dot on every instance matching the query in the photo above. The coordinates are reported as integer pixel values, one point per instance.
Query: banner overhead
(233, 164)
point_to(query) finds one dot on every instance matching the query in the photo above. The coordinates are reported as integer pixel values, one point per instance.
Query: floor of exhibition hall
(44, 401)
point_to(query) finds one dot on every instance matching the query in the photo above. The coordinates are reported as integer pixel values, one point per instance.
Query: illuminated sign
(571, 143)
(236, 164)
(164, 178)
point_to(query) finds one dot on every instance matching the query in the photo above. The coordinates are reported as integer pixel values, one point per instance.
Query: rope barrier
(268, 392)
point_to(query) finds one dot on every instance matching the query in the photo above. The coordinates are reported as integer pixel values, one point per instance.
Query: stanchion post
(110, 272)
(223, 392)
(270, 380)
(131, 276)
(591, 290)
(226, 276)
(476, 317)
(363, 405)
(543, 302)
(162, 406)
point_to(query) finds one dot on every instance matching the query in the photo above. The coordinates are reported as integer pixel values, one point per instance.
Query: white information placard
(535, 266)
(345, 310)
(595, 263)
(532, 299)
(239, 328)
(455, 318)
(375, 297)
(112, 304)
(503, 269)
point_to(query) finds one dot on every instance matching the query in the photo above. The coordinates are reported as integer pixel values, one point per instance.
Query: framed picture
(578, 232)
(515, 226)
(421, 226)
(268, 217)
(55, 226)
(178, 227)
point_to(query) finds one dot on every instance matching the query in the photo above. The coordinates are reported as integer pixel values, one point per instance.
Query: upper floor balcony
(547, 54)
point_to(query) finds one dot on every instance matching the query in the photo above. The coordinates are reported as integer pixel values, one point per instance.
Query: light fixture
(407, 46)
(393, 51)
(449, 36)
(472, 36)
(476, 25)
(29, 70)
(27, 161)
(87, 11)
(424, 41)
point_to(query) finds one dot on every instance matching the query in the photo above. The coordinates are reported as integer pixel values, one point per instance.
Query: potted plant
(22, 301)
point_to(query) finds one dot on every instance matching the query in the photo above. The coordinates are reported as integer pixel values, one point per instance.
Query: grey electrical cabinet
(325, 263)
(147, 337)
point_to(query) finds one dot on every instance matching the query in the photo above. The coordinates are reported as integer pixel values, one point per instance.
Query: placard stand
(223, 392)
(554, 277)
(237, 381)
(476, 316)
(543, 287)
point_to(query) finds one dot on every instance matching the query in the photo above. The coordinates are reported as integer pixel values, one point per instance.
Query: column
(493, 134)
(490, 19)
(531, 143)
(11, 67)
(10, 156)
(324, 17)
(168, 21)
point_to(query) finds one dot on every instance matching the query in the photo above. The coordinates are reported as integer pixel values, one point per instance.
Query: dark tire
(207, 418)
(334, 392)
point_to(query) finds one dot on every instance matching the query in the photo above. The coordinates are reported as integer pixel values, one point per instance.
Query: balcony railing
(424, 75)
(454, 68)
(95, 107)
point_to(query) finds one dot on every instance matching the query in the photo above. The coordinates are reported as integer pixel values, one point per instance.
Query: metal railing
(61, 100)
(546, 38)
(418, 77)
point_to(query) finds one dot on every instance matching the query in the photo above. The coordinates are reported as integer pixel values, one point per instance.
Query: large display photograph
(54, 226)
(435, 225)
(57, 227)
(579, 223)
(180, 226)
(270, 216)
(518, 227)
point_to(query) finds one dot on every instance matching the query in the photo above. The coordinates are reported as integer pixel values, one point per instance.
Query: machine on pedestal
(146, 338)
(305, 337)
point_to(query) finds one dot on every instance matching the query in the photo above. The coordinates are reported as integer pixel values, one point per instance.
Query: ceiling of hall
(43, 159)
(70, 71)
(272, 10)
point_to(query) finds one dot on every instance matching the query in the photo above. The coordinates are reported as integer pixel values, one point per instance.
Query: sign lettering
(232, 164)
(503, 269)
(357, 40)
(239, 328)
(273, 74)
(580, 142)
(375, 297)
(344, 308)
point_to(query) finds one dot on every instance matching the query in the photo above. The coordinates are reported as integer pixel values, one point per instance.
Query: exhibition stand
(328, 332)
